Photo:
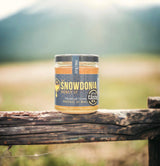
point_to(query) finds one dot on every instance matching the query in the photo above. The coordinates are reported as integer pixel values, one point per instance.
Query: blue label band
(75, 65)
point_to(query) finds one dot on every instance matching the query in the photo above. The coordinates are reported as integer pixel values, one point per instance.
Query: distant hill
(40, 35)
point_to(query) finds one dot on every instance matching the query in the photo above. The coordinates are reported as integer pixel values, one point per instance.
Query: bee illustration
(57, 86)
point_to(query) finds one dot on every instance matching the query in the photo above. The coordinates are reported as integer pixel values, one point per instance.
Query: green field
(124, 83)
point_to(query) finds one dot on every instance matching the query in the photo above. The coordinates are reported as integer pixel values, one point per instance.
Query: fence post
(154, 144)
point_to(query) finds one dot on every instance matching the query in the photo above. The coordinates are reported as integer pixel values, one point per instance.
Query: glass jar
(76, 83)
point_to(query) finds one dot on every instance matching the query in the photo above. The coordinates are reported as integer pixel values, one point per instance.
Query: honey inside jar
(76, 84)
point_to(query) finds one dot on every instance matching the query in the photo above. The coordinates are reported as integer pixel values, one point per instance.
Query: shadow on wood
(154, 143)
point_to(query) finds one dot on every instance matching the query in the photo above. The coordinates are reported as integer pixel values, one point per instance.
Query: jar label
(76, 89)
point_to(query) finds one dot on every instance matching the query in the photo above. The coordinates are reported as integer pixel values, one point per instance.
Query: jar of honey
(76, 83)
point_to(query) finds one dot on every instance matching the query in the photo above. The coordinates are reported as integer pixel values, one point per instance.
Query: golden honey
(76, 83)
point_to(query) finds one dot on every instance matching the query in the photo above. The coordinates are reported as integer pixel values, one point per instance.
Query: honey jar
(76, 83)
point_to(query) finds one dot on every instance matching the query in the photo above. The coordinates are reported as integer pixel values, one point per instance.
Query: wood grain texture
(49, 127)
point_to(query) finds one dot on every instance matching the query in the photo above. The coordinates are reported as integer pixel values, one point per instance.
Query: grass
(123, 90)
(121, 93)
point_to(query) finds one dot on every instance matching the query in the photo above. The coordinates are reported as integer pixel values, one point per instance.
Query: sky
(9, 7)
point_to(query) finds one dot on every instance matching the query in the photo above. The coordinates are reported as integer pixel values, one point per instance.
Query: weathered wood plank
(46, 127)
(153, 102)
(154, 143)
(117, 117)
(154, 152)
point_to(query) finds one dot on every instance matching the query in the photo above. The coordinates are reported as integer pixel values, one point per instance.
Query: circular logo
(92, 97)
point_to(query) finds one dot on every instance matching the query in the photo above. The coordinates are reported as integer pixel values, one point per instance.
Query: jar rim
(82, 57)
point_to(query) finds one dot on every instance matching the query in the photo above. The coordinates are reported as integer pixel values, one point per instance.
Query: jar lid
(82, 57)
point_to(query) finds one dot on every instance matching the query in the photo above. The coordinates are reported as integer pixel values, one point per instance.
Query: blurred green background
(125, 34)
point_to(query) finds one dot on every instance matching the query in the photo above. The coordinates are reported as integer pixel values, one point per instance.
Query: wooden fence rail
(49, 127)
